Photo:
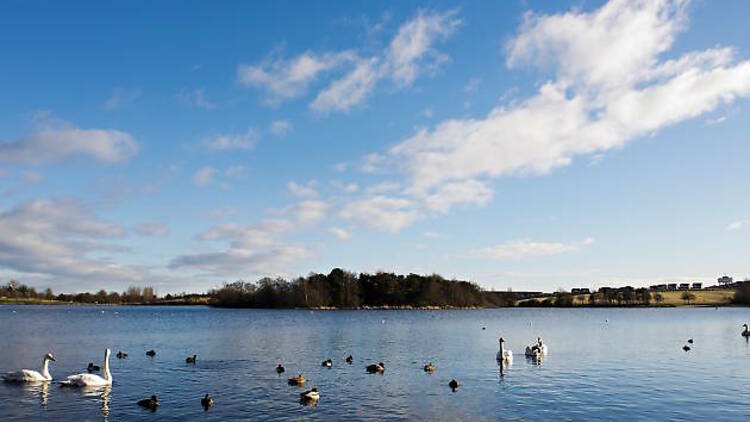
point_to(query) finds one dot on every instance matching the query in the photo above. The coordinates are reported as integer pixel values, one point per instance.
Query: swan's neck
(502, 349)
(45, 369)
(107, 374)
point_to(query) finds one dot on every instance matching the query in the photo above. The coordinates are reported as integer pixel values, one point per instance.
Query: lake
(603, 364)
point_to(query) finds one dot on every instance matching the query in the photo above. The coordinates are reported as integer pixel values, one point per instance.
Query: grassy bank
(701, 298)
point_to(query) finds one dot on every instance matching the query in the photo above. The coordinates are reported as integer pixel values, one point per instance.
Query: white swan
(536, 350)
(746, 331)
(503, 355)
(27, 375)
(91, 380)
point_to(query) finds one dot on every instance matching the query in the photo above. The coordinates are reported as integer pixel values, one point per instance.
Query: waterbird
(91, 380)
(505, 356)
(207, 401)
(150, 403)
(429, 367)
(686, 348)
(350, 359)
(297, 380)
(312, 394)
(92, 367)
(746, 331)
(378, 368)
(280, 368)
(27, 375)
(327, 363)
(453, 385)
(536, 350)
(151, 353)
(121, 355)
(690, 341)
(191, 359)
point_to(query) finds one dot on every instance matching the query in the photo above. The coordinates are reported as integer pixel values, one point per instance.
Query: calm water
(617, 364)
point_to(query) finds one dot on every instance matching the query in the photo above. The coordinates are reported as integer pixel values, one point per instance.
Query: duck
(191, 359)
(376, 368)
(327, 363)
(503, 355)
(745, 331)
(690, 341)
(429, 367)
(151, 353)
(92, 367)
(27, 375)
(91, 380)
(207, 401)
(150, 403)
(312, 395)
(280, 369)
(686, 348)
(350, 359)
(453, 384)
(297, 380)
(121, 355)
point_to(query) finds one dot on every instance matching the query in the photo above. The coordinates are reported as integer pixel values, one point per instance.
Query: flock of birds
(535, 351)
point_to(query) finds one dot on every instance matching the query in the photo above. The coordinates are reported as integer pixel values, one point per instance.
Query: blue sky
(526, 144)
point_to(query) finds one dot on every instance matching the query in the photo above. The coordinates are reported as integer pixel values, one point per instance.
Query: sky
(523, 144)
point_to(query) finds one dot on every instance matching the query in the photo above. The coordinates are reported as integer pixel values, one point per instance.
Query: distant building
(697, 286)
(684, 286)
(724, 280)
(672, 286)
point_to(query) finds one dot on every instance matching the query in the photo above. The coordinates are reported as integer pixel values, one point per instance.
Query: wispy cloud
(341, 234)
(526, 248)
(737, 225)
(54, 140)
(196, 98)
(232, 141)
(121, 97)
(204, 176)
(280, 127)
(152, 229)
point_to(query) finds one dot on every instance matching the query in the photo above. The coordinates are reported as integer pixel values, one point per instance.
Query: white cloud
(411, 49)
(309, 211)
(284, 79)
(204, 176)
(525, 248)
(62, 241)
(55, 140)
(410, 53)
(122, 97)
(280, 127)
(307, 190)
(381, 212)
(610, 88)
(341, 234)
(737, 225)
(350, 90)
(152, 229)
(253, 249)
(383, 187)
(465, 192)
(196, 98)
(233, 141)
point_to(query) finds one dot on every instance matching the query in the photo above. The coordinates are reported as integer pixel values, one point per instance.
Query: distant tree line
(16, 290)
(624, 296)
(742, 296)
(343, 289)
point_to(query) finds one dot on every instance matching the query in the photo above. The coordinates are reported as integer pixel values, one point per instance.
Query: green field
(702, 298)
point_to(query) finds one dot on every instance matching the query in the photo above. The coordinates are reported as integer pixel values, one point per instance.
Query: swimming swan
(91, 380)
(504, 355)
(536, 350)
(746, 331)
(27, 375)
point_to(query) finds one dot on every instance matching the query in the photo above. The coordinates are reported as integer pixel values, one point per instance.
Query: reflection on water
(605, 364)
